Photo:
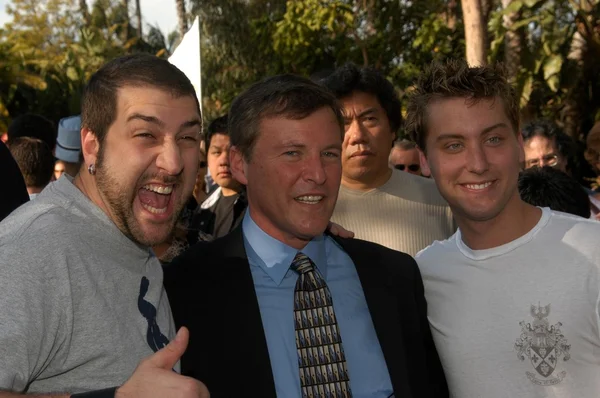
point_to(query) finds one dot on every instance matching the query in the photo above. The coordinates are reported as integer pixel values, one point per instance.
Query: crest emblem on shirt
(544, 345)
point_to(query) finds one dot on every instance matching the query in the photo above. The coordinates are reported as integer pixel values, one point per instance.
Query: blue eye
(453, 147)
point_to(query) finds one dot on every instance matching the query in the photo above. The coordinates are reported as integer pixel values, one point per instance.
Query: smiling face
(147, 164)
(474, 155)
(293, 176)
(368, 139)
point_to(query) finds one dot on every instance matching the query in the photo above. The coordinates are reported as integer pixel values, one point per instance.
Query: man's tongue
(151, 198)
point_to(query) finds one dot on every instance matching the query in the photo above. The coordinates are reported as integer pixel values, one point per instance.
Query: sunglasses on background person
(411, 167)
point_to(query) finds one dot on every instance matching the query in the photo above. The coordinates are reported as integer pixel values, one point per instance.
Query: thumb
(167, 357)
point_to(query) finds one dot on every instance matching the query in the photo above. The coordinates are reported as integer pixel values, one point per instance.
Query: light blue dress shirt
(274, 283)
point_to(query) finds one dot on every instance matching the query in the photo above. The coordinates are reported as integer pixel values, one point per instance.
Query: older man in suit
(279, 308)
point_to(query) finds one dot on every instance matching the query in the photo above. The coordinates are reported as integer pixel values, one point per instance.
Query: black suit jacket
(211, 291)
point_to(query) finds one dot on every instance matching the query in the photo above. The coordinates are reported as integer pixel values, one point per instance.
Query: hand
(338, 230)
(154, 376)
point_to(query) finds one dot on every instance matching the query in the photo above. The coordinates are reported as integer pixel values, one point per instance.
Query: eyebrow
(460, 136)
(189, 123)
(159, 123)
(145, 118)
(361, 114)
(298, 145)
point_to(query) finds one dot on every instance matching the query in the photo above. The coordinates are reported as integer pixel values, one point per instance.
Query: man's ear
(425, 170)
(89, 146)
(237, 165)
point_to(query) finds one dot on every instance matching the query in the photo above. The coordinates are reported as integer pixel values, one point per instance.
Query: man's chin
(151, 238)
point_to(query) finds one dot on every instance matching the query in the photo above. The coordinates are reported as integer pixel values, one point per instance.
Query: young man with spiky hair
(513, 295)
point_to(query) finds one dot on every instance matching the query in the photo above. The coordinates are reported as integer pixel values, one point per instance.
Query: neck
(32, 190)
(263, 223)
(229, 191)
(87, 185)
(510, 224)
(368, 181)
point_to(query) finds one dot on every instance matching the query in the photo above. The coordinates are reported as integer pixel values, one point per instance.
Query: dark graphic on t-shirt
(544, 345)
(156, 340)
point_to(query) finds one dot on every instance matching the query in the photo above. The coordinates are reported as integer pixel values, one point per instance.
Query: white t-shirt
(520, 320)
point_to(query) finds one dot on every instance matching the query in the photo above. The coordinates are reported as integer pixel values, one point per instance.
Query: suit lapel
(382, 300)
(245, 340)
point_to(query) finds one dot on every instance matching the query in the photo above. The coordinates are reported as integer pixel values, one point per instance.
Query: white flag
(187, 57)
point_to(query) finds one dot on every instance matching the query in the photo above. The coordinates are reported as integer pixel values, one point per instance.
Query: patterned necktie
(323, 372)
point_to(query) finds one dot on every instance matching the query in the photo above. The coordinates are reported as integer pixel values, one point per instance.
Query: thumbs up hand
(154, 376)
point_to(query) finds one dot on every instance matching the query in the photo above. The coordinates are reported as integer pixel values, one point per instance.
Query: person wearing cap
(68, 147)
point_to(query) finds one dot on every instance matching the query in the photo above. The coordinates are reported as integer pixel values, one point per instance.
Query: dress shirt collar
(275, 257)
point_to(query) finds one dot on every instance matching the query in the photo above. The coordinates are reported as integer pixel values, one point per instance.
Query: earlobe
(237, 165)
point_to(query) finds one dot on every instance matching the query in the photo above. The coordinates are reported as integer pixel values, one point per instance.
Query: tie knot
(302, 263)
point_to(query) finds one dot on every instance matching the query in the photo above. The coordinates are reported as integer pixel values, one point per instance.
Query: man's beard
(120, 202)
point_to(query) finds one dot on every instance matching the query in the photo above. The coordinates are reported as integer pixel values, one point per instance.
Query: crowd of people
(296, 247)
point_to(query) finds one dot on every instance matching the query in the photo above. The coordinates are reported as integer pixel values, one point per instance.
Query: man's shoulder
(203, 256)
(415, 188)
(437, 250)
(35, 219)
(575, 231)
(376, 255)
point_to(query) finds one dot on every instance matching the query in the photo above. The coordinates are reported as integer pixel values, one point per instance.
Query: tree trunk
(513, 42)
(125, 33)
(486, 9)
(451, 14)
(138, 15)
(181, 18)
(85, 12)
(475, 32)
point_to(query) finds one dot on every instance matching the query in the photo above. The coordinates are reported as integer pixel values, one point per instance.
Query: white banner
(187, 57)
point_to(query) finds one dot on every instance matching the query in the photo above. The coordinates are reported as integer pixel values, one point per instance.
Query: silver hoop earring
(92, 169)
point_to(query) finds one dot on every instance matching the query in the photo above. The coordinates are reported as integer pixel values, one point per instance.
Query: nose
(356, 133)
(477, 160)
(169, 159)
(224, 158)
(314, 170)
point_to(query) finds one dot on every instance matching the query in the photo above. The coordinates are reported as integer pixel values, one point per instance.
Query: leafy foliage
(50, 48)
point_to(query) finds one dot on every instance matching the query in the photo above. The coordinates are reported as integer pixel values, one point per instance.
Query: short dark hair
(456, 79)
(287, 95)
(550, 187)
(217, 126)
(405, 145)
(350, 78)
(99, 98)
(35, 160)
(34, 126)
(551, 131)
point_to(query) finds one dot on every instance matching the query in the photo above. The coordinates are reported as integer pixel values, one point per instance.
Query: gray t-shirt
(80, 303)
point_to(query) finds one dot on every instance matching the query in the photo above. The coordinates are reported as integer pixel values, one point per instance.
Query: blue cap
(68, 142)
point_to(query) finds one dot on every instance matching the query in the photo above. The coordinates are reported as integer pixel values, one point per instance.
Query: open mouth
(155, 198)
(478, 187)
(309, 199)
